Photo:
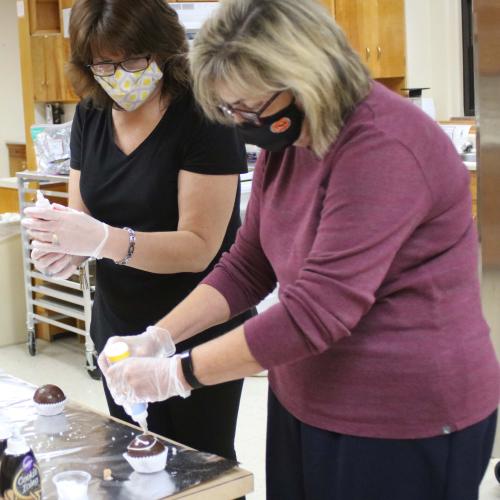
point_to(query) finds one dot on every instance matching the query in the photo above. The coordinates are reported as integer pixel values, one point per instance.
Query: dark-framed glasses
(246, 114)
(130, 65)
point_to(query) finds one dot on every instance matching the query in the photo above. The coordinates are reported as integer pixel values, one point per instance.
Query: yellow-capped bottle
(138, 412)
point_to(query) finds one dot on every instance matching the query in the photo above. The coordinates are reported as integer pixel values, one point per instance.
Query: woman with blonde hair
(383, 379)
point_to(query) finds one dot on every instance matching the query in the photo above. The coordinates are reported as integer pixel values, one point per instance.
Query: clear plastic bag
(52, 147)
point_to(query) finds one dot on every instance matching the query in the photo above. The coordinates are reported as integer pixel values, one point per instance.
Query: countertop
(11, 182)
(8, 182)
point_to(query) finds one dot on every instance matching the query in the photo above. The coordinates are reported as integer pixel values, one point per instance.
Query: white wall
(434, 52)
(11, 101)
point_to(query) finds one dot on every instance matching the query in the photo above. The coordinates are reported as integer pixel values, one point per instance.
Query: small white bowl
(72, 484)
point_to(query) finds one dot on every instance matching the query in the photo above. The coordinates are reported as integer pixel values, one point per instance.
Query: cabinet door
(49, 53)
(359, 20)
(390, 50)
(38, 67)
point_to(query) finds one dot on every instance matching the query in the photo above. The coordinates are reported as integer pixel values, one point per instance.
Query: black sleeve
(76, 138)
(213, 149)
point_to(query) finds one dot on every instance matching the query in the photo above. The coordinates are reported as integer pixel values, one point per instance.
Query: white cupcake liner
(148, 465)
(50, 409)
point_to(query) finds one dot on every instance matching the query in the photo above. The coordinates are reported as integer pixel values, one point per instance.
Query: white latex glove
(56, 265)
(145, 380)
(61, 229)
(154, 342)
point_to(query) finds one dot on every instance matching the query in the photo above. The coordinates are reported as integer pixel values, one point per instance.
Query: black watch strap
(188, 370)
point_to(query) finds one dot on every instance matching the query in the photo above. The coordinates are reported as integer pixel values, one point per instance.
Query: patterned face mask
(131, 90)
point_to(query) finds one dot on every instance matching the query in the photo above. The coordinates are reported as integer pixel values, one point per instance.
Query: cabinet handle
(368, 52)
(379, 52)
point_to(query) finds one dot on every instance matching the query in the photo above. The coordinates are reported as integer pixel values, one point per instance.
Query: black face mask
(277, 131)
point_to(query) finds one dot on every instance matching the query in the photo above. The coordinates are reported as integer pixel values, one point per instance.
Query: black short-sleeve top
(139, 191)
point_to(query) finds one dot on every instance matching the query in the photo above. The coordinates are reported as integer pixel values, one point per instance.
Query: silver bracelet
(131, 247)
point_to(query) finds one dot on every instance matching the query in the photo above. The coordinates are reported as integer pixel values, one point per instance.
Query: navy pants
(307, 463)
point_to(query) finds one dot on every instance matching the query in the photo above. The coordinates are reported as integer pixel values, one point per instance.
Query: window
(468, 57)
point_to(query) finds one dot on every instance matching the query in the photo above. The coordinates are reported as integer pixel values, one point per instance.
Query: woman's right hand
(56, 265)
(155, 342)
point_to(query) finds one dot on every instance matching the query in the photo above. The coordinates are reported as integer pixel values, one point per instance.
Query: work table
(82, 439)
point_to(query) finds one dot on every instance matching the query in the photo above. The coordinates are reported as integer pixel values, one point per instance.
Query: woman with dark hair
(153, 195)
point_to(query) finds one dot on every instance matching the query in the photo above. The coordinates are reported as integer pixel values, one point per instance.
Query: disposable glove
(56, 265)
(154, 342)
(61, 229)
(145, 380)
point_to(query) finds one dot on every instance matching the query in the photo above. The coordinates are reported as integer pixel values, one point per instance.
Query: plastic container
(72, 484)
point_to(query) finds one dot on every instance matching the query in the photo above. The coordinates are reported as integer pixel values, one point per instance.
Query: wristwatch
(188, 370)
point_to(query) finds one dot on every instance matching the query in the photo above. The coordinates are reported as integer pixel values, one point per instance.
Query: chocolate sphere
(48, 394)
(145, 445)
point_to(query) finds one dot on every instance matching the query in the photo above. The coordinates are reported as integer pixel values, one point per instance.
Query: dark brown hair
(128, 27)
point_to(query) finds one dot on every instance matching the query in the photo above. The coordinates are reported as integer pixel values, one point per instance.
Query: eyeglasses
(131, 65)
(245, 114)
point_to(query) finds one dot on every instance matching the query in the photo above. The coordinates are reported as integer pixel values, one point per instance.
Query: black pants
(306, 463)
(206, 420)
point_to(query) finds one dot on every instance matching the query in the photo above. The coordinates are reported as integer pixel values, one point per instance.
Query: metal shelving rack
(61, 299)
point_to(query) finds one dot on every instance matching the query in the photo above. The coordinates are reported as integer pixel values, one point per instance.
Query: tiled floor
(62, 362)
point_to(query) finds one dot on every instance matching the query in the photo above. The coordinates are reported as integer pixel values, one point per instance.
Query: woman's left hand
(146, 380)
(61, 229)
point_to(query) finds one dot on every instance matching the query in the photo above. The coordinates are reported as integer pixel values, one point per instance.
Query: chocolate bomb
(48, 395)
(145, 445)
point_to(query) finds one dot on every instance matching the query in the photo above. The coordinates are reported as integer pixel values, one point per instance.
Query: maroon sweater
(379, 330)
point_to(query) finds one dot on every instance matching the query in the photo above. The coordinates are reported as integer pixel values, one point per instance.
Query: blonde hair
(256, 47)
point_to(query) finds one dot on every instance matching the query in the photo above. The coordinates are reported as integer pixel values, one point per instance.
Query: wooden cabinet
(391, 46)
(49, 51)
(48, 58)
(17, 157)
(9, 201)
(473, 191)
(44, 53)
(375, 28)
(44, 16)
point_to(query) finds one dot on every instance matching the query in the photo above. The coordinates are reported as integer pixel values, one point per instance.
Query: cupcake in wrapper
(146, 454)
(49, 400)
